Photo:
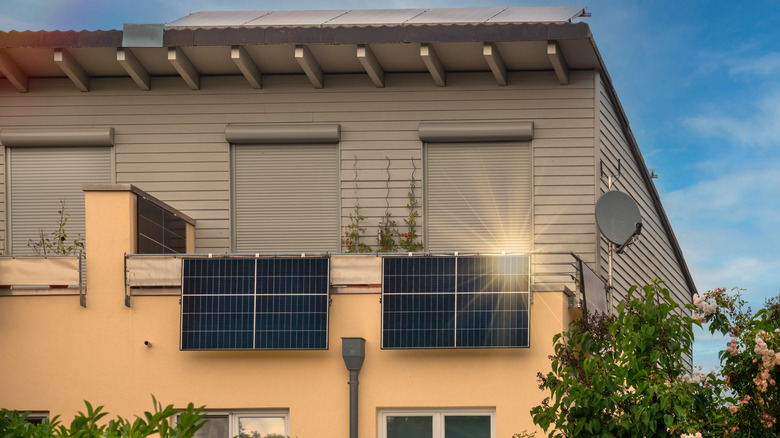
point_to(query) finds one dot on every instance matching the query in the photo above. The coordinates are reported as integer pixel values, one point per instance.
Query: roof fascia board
(481, 32)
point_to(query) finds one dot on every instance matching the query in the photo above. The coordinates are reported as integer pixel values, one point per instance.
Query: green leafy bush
(13, 424)
(626, 376)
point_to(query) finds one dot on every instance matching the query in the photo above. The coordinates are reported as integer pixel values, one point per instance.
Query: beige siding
(653, 255)
(170, 140)
(564, 190)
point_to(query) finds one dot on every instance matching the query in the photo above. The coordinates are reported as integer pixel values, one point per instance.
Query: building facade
(247, 139)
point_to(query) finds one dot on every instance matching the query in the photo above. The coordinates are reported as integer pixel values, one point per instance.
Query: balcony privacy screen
(254, 304)
(159, 230)
(455, 302)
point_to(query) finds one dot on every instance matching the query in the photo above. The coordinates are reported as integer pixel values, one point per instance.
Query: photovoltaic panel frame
(455, 302)
(278, 303)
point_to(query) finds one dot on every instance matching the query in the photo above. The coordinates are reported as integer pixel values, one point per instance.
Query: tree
(626, 375)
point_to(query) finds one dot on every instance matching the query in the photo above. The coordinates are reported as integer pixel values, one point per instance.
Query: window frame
(234, 415)
(438, 415)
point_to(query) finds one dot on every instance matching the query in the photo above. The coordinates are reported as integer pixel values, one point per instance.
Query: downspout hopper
(353, 350)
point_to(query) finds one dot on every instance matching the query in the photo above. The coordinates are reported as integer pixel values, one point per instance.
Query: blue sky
(698, 80)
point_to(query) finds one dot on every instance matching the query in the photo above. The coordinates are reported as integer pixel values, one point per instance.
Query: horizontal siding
(653, 255)
(170, 141)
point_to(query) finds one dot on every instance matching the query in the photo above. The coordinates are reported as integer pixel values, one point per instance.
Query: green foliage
(354, 231)
(624, 375)
(387, 234)
(13, 424)
(751, 362)
(56, 242)
(408, 241)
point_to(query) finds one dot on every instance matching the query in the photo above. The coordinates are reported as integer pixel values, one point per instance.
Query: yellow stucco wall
(54, 354)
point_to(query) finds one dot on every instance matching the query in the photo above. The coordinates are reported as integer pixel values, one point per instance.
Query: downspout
(353, 350)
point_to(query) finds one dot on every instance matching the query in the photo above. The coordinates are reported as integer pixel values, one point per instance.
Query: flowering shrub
(626, 376)
(750, 363)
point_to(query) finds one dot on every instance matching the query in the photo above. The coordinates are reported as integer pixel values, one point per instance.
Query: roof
(270, 38)
(323, 42)
(376, 17)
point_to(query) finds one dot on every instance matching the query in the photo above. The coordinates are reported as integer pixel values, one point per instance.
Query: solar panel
(455, 302)
(254, 304)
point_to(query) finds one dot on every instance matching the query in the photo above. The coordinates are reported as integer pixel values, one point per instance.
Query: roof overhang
(314, 43)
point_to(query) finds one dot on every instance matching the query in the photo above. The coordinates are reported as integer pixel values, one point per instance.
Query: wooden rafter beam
(310, 66)
(12, 72)
(369, 62)
(558, 61)
(71, 68)
(184, 67)
(496, 62)
(134, 68)
(248, 68)
(433, 63)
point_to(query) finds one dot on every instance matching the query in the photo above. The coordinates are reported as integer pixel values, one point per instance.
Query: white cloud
(766, 65)
(760, 128)
(728, 229)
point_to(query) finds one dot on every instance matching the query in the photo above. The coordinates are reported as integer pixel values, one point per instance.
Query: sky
(699, 81)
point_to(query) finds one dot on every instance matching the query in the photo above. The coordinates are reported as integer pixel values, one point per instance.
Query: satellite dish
(618, 218)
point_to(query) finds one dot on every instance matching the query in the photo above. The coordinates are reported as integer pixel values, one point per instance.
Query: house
(265, 147)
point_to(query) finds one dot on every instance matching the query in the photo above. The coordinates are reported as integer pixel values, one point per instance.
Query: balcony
(154, 238)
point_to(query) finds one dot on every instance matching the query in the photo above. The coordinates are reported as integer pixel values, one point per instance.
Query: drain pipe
(353, 350)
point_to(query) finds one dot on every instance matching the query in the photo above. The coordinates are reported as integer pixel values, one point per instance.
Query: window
(440, 423)
(245, 424)
(37, 417)
(478, 197)
(285, 187)
(40, 178)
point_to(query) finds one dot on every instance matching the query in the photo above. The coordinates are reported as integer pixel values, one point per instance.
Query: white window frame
(235, 415)
(438, 415)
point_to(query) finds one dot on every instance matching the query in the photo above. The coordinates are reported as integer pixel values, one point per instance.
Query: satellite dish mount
(619, 221)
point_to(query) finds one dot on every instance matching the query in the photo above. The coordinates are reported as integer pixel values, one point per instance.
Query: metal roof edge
(332, 34)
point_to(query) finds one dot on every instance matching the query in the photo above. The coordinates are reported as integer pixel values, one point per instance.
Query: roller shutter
(478, 196)
(40, 178)
(286, 198)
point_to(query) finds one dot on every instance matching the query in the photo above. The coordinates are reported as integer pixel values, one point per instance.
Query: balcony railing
(362, 273)
(42, 275)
